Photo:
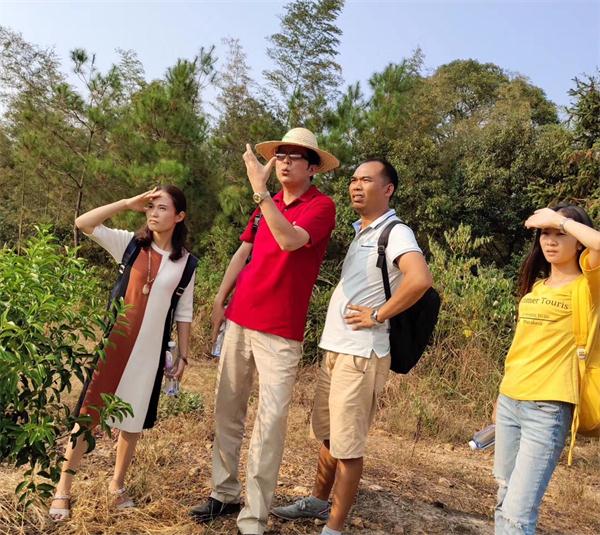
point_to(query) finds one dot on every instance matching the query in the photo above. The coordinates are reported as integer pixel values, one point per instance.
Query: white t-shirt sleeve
(401, 241)
(185, 308)
(115, 241)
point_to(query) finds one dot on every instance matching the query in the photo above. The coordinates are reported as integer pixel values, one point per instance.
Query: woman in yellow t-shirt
(540, 385)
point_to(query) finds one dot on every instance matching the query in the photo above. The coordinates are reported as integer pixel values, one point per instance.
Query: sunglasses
(292, 156)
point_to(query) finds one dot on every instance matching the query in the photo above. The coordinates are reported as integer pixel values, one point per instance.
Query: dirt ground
(408, 487)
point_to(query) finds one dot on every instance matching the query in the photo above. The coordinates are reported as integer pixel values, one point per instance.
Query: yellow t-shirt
(541, 364)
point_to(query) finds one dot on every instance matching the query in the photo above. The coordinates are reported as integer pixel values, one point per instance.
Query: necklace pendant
(146, 289)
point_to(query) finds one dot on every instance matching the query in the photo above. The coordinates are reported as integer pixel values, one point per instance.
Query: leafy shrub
(317, 311)
(456, 382)
(183, 403)
(476, 322)
(477, 300)
(50, 317)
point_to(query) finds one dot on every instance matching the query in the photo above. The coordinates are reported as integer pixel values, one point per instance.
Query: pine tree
(585, 111)
(306, 76)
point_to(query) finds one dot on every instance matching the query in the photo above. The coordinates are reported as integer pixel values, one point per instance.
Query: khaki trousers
(276, 361)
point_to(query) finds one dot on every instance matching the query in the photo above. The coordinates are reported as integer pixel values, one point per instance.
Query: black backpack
(411, 330)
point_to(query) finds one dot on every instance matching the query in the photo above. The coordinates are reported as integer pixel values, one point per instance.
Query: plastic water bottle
(216, 348)
(484, 439)
(170, 384)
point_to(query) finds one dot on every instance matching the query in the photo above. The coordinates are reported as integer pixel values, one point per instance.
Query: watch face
(260, 197)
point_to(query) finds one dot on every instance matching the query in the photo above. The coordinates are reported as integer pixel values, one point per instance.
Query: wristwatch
(374, 315)
(260, 197)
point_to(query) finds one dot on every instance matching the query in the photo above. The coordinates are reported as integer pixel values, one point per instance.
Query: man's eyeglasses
(292, 156)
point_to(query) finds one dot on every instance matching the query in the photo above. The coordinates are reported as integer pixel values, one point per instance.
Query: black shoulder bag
(411, 330)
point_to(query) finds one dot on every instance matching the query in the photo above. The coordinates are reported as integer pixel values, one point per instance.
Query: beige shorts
(346, 401)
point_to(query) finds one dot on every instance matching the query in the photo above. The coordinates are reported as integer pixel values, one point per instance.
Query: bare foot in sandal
(122, 500)
(60, 507)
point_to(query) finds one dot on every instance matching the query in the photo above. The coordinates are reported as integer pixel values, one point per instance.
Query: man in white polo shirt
(356, 343)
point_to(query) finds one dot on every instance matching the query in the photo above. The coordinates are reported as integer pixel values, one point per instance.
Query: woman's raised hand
(139, 202)
(90, 220)
(544, 218)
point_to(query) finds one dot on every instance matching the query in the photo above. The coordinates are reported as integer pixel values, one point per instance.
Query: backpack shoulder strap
(580, 309)
(580, 306)
(186, 277)
(131, 252)
(119, 288)
(381, 261)
(257, 219)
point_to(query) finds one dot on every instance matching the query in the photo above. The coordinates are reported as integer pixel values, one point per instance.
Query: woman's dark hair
(536, 264)
(144, 235)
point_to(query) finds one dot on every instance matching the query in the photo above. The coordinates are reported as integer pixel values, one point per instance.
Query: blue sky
(549, 42)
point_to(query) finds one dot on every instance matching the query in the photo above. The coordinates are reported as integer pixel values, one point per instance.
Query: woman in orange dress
(132, 369)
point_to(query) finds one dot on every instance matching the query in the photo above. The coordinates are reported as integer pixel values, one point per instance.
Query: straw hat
(300, 137)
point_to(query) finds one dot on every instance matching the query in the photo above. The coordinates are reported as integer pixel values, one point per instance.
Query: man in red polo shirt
(273, 272)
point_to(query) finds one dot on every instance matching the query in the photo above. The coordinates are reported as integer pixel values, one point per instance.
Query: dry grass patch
(409, 486)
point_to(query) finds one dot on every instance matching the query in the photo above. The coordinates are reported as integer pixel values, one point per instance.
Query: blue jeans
(530, 436)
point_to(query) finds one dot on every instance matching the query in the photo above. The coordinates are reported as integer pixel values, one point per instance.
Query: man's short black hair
(312, 157)
(389, 171)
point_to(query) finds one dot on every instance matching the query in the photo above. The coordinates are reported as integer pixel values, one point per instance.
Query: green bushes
(316, 318)
(50, 317)
(477, 300)
(476, 323)
(184, 403)
(452, 389)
